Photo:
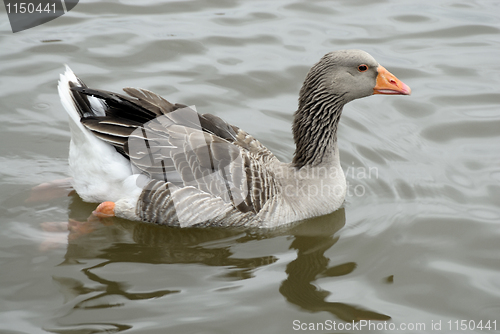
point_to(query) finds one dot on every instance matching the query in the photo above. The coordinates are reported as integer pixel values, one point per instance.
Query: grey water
(415, 248)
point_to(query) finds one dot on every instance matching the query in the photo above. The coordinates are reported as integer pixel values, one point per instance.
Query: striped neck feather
(315, 124)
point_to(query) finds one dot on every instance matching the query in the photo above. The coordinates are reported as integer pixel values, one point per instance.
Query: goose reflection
(311, 264)
(118, 240)
(312, 240)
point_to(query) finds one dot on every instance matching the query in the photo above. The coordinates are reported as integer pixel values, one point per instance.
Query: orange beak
(387, 83)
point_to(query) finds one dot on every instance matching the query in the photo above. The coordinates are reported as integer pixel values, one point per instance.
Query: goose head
(350, 75)
(338, 78)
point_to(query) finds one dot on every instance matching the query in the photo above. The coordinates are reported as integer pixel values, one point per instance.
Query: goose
(146, 159)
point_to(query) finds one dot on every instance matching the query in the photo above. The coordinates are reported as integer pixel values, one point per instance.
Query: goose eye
(362, 68)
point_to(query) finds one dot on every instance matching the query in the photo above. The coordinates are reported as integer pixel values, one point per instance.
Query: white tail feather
(99, 172)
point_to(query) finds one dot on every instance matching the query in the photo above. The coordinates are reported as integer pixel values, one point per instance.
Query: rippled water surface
(417, 242)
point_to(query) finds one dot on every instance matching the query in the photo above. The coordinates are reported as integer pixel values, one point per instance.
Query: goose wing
(174, 144)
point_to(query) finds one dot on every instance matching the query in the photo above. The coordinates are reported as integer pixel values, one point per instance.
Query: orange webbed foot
(105, 210)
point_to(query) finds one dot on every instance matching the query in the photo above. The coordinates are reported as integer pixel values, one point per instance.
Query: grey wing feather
(175, 145)
(204, 161)
(151, 101)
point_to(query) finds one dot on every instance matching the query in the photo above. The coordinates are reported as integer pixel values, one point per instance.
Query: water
(417, 241)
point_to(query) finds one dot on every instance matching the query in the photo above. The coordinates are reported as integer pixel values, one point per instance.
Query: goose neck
(315, 128)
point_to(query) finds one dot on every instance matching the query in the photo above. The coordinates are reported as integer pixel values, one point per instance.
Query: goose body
(150, 160)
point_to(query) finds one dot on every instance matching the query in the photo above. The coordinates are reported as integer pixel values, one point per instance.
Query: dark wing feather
(82, 102)
(217, 126)
(118, 105)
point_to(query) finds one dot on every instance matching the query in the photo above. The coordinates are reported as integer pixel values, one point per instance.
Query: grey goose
(146, 159)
